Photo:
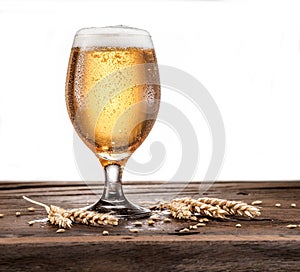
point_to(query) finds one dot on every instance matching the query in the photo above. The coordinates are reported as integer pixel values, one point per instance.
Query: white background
(246, 54)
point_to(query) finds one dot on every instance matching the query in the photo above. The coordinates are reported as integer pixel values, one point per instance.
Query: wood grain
(262, 244)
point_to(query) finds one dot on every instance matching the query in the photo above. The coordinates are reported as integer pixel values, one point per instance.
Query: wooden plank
(262, 244)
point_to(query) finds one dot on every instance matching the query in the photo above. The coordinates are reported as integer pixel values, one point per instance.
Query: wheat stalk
(64, 218)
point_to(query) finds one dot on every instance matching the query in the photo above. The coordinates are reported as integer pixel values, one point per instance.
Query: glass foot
(121, 209)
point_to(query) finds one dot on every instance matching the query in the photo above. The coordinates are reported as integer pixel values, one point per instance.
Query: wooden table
(262, 244)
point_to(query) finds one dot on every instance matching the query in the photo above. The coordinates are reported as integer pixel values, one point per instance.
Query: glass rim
(118, 30)
(112, 36)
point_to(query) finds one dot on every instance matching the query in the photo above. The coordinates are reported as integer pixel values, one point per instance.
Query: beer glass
(112, 97)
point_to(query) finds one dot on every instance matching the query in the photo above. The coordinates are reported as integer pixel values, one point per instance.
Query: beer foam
(112, 36)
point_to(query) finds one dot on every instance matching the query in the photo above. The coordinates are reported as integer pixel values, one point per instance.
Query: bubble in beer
(106, 99)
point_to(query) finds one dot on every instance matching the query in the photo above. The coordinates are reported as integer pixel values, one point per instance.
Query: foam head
(112, 36)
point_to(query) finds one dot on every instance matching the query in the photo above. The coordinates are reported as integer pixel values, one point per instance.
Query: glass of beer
(112, 97)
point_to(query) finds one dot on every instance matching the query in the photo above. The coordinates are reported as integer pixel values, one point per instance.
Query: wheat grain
(184, 230)
(137, 223)
(60, 230)
(155, 217)
(194, 218)
(134, 230)
(193, 227)
(151, 222)
(256, 202)
(167, 220)
(292, 226)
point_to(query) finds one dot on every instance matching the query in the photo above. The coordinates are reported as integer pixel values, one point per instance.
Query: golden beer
(112, 96)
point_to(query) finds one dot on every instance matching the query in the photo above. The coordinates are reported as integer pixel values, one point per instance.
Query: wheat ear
(232, 207)
(56, 217)
(55, 214)
(177, 209)
(188, 208)
(64, 218)
(90, 217)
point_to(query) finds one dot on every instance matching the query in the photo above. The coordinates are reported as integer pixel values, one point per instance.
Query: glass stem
(113, 191)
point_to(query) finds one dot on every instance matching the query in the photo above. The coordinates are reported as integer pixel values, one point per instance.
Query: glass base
(121, 209)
